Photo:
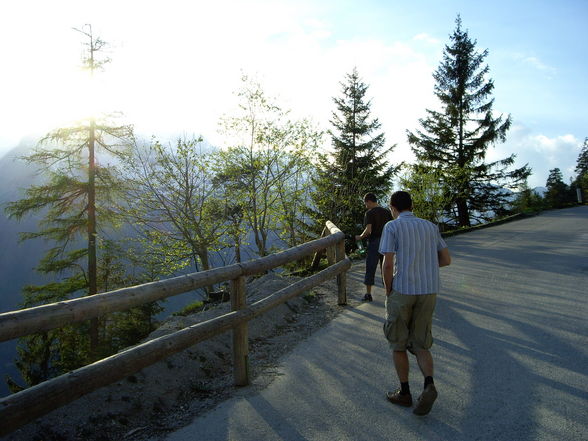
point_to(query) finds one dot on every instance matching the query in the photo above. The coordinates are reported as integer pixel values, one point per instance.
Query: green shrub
(192, 308)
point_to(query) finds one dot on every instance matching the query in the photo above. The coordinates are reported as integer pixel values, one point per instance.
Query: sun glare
(61, 97)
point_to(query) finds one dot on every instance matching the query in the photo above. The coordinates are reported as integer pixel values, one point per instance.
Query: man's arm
(366, 232)
(444, 257)
(388, 272)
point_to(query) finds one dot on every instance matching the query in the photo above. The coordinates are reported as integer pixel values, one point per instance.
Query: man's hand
(365, 233)
(444, 257)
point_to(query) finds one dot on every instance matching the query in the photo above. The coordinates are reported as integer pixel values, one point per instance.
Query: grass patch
(192, 308)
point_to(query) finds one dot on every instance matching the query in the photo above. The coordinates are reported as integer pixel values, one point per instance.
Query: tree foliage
(456, 138)
(527, 200)
(264, 172)
(173, 202)
(581, 170)
(428, 191)
(558, 194)
(357, 165)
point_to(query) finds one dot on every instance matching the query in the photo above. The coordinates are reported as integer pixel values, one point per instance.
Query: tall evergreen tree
(76, 198)
(357, 165)
(558, 193)
(581, 180)
(582, 163)
(456, 139)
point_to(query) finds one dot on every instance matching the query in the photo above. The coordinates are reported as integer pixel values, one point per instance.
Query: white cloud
(535, 63)
(427, 39)
(538, 64)
(541, 152)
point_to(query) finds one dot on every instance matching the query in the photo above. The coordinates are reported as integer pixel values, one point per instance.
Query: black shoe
(368, 298)
(426, 400)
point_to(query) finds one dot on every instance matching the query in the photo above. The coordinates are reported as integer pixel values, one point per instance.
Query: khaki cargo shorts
(409, 319)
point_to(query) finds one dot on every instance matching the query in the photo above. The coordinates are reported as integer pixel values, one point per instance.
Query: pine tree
(456, 139)
(75, 199)
(558, 193)
(581, 180)
(357, 165)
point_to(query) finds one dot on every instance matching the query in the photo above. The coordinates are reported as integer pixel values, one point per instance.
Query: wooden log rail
(25, 406)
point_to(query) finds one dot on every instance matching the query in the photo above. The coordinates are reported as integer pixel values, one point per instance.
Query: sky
(175, 65)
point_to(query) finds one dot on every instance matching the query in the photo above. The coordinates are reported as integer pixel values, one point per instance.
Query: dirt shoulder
(168, 395)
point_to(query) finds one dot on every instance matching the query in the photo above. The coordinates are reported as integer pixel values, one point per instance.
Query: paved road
(511, 352)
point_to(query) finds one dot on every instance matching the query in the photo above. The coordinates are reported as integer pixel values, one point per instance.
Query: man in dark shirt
(375, 219)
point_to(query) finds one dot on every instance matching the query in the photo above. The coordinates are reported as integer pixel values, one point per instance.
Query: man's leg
(401, 396)
(423, 314)
(402, 365)
(371, 263)
(380, 260)
(425, 361)
(429, 395)
(398, 311)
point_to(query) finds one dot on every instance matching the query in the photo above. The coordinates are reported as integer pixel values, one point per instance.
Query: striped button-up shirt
(415, 243)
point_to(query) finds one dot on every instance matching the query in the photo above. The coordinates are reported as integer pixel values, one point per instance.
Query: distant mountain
(540, 191)
(17, 260)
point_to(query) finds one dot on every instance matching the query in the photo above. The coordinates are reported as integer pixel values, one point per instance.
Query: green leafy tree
(298, 141)
(265, 170)
(124, 328)
(428, 191)
(173, 202)
(456, 138)
(358, 163)
(527, 200)
(76, 198)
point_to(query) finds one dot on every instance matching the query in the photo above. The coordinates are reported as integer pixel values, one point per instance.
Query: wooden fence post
(240, 334)
(331, 254)
(342, 277)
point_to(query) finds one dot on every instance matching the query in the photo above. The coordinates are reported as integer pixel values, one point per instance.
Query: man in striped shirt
(413, 252)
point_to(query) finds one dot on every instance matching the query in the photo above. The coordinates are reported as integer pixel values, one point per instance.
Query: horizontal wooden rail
(15, 324)
(27, 405)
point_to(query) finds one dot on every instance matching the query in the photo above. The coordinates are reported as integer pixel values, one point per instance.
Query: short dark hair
(370, 197)
(401, 200)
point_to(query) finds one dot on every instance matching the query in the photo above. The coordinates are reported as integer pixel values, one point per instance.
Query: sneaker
(401, 399)
(426, 400)
(368, 298)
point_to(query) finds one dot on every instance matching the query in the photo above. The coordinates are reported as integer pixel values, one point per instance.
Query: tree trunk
(463, 215)
(238, 251)
(205, 264)
(92, 282)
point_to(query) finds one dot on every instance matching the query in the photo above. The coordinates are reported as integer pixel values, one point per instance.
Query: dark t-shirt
(378, 217)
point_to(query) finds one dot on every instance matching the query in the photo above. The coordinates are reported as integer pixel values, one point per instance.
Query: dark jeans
(372, 258)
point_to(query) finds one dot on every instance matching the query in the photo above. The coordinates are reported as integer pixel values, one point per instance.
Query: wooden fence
(24, 406)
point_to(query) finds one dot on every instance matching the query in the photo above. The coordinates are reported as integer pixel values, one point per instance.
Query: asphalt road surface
(510, 351)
